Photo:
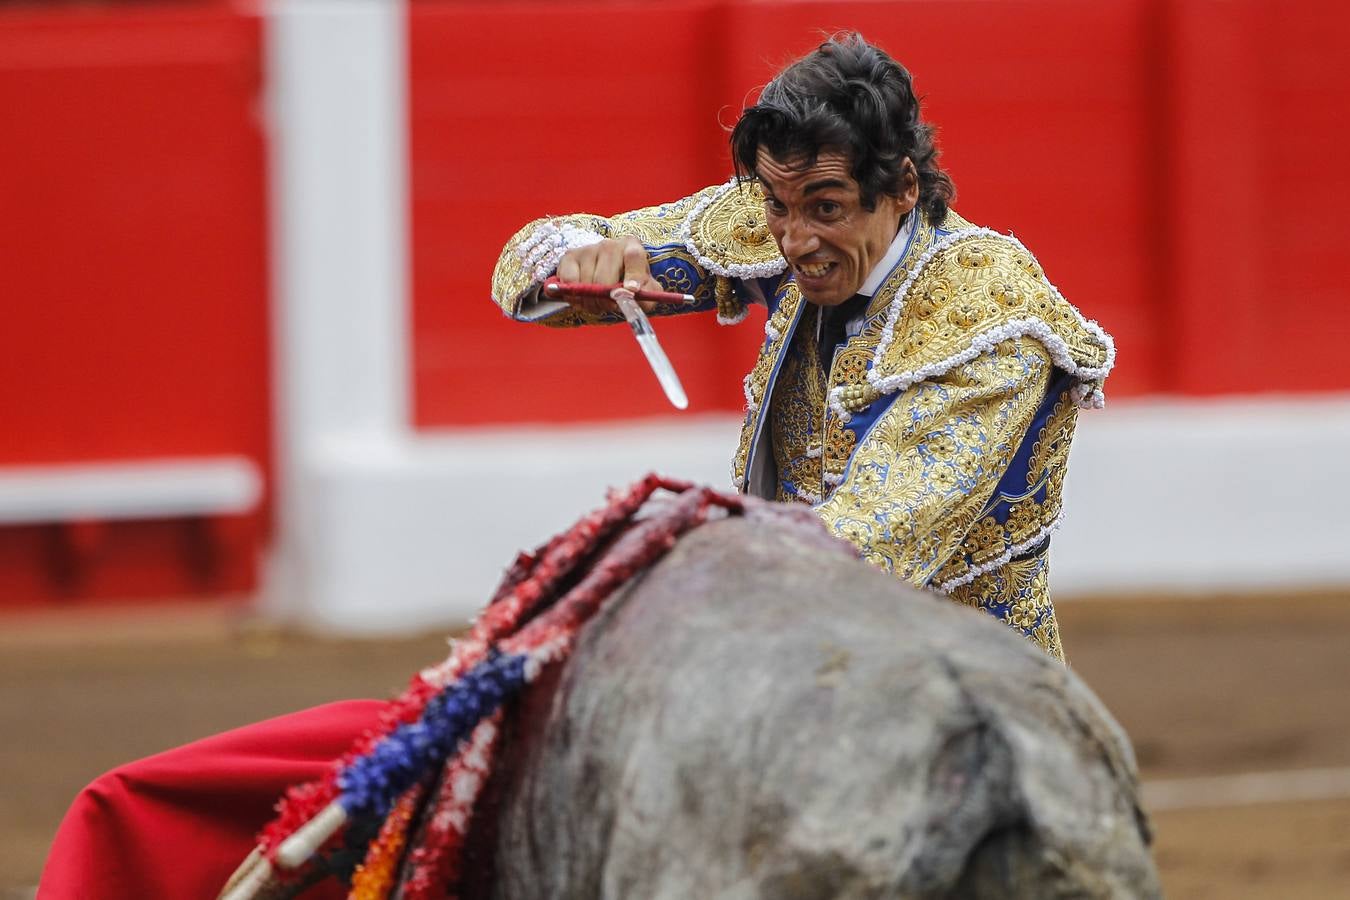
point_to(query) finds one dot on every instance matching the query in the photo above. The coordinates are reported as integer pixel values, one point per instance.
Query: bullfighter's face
(829, 239)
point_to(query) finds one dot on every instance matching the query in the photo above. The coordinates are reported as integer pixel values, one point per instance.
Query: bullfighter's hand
(611, 261)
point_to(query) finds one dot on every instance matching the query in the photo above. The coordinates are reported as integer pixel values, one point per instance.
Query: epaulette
(728, 235)
(971, 290)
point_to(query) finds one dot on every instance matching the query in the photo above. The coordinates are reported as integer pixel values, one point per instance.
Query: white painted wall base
(122, 490)
(415, 533)
(1161, 496)
(1199, 496)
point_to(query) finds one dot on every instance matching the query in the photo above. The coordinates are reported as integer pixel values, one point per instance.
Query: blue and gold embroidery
(1017, 593)
(785, 310)
(924, 472)
(797, 417)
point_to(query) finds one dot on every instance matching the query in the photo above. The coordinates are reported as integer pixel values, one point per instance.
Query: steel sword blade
(651, 348)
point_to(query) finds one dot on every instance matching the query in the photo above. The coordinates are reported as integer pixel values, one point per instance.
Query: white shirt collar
(893, 254)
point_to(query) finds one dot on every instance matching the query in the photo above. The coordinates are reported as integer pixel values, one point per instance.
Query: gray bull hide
(761, 716)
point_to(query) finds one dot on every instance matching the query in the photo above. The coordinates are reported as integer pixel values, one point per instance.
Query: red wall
(491, 149)
(1258, 136)
(1176, 166)
(132, 278)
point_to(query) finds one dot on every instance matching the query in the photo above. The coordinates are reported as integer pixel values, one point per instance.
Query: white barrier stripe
(1248, 789)
(129, 489)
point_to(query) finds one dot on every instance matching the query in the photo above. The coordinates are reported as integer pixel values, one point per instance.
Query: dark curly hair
(850, 96)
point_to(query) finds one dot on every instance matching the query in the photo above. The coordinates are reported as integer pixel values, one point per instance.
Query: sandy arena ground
(1209, 689)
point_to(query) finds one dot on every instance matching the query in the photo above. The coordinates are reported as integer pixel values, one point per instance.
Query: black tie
(832, 328)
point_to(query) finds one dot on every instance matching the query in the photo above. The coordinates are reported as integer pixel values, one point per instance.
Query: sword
(642, 330)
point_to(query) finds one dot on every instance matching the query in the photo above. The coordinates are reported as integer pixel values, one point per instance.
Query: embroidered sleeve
(923, 473)
(533, 254)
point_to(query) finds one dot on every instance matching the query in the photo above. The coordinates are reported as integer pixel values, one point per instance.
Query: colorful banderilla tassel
(447, 720)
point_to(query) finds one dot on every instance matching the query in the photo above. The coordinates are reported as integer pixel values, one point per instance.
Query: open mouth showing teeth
(814, 270)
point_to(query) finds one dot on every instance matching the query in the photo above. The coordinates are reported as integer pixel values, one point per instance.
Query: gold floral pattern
(1050, 453)
(839, 443)
(974, 286)
(777, 330)
(796, 416)
(921, 446)
(1018, 594)
(1027, 511)
(731, 231)
(954, 222)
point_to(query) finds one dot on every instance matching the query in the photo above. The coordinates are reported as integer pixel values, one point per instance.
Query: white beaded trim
(733, 270)
(1005, 556)
(733, 320)
(548, 244)
(810, 497)
(751, 405)
(1086, 394)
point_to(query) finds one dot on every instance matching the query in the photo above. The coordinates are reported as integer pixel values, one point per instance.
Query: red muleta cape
(175, 825)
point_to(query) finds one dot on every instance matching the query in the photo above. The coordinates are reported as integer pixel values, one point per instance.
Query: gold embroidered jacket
(937, 439)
